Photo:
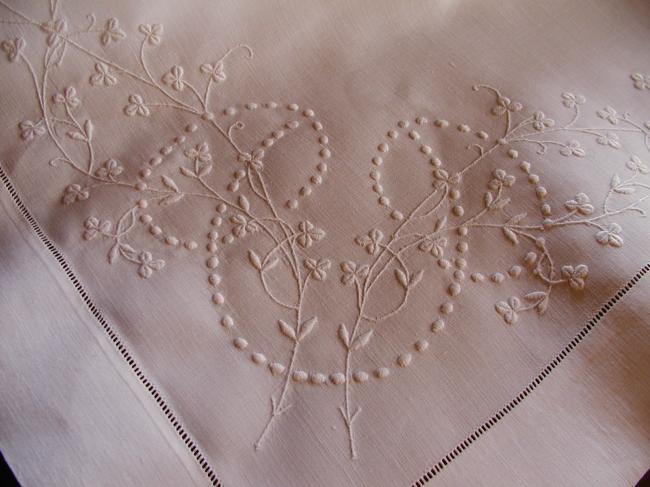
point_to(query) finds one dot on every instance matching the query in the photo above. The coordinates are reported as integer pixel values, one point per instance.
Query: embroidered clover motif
(282, 249)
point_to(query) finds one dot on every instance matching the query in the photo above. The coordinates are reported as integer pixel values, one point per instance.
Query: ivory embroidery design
(438, 225)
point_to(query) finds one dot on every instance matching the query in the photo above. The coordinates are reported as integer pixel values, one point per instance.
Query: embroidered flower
(29, 129)
(13, 48)
(317, 268)
(102, 76)
(372, 241)
(200, 153)
(215, 70)
(506, 105)
(136, 106)
(609, 114)
(54, 28)
(308, 233)
(580, 204)
(636, 165)
(352, 272)
(609, 139)
(110, 169)
(152, 33)
(242, 227)
(68, 98)
(570, 100)
(508, 310)
(112, 32)
(74, 192)
(641, 81)
(254, 160)
(434, 246)
(541, 122)
(148, 264)
(610, 236)
(575, 277)
(501, 178)
(175, 78)
(572, 148)
(93, 227)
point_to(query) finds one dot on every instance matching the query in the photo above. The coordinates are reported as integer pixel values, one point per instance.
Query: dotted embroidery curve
(276, 237)
(114, 337)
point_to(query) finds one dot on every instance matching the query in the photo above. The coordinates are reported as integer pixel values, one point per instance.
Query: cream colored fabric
(337, 237)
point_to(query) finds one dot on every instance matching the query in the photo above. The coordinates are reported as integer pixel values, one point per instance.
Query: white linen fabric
(326, 243)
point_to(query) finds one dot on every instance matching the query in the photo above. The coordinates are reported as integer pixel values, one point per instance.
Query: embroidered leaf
(510, 235)
(76, 135)
(344, 335)
(416, 278)
(88, 128)
(205, 170)
(169, 182)
(534, 296)
(624, 190)
(271, 264)
(244, 203)
(542, 305)
(401, 278)
(363, 340)
(500, 203)
(487, 199)
(114, 253)
(616, 180)
(129, 251)
(171, 199)
(440, 224)
(287, 330)
(515, 220)
(187, 172)
(307, 327)
(255, 260)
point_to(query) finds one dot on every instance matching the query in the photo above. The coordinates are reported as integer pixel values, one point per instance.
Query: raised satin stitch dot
(308, 113)
(293, 107)
(218, 299)
(227, 321)
(294, 124)
(447, 308)
(438, 325)
(377, 161)
(515, 271)
(360, 376)
(337, 378)
(404, 360)
(213, 262)
(454, 289)
(382, 372)
(463, 128)
(383, 147)
(258, 358)
(392, 134)
(276, 368)
(240, 343)
(421, 345)
(421, 120)
(477, 277)
(300, 376)
(318, 378)
(497, 277)
(441, 123)
(414, 135)
(190, 245)
(214, 279)
(402, 124)
(425, 149)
